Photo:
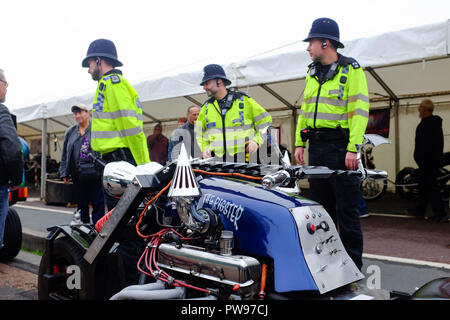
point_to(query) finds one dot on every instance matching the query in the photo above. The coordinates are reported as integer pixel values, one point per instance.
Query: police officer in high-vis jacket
(117, 132)
(230, 124)
(333, 119)
(117, 121)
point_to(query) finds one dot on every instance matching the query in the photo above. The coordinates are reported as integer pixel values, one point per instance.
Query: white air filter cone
(286, 160)
(184, 183)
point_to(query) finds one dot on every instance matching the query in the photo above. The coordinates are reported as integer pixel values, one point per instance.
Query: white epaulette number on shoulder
(115, 78)
(355, 65)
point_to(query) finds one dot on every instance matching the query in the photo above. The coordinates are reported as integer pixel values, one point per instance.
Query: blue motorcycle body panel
(262, 225)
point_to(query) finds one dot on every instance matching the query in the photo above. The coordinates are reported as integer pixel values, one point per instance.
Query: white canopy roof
(407, 64)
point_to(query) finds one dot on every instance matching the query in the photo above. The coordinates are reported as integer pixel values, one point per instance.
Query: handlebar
(97, 160)
(282, 177)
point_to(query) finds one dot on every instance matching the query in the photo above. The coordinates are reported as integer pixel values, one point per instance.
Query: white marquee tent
(401, 67)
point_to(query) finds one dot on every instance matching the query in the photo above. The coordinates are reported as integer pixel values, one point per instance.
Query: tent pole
(290, 106)
(43, 157)
(392, 98)
(397, 136)
(293, 130)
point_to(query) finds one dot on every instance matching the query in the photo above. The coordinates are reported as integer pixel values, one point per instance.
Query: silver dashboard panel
(330, 265)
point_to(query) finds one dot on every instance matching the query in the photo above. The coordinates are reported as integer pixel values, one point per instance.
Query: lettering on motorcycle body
(229, 209)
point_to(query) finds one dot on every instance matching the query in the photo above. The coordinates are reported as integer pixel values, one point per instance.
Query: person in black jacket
(11, 162)
(428, 154)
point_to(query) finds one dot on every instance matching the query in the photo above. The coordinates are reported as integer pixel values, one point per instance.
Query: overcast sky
(43, 42)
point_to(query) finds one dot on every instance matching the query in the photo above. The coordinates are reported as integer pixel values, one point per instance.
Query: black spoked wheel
(69, 277)
(406, 184)
(444, 183)
(373, 189)
(12, 238)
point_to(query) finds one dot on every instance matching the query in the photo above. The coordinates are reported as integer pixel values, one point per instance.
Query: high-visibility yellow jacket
(342, 100)
(117, 120)
(244, 121)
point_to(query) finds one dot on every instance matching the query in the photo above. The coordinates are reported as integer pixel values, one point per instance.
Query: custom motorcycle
(407, 180)
(206, 229)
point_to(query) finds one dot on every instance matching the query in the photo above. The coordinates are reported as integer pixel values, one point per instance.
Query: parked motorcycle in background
(407, 181)
(372, 189)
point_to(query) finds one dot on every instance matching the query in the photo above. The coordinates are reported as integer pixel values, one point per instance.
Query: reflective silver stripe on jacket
(262, 126)
(261, 116)
(326, 116)
(116, 134)
(333, 116)
(228, 129)
(337, 102)
(238, 128)
(330, 101)
(357, 97)
(361, 112)
(213, 131)
(229, 143)
(117, 114)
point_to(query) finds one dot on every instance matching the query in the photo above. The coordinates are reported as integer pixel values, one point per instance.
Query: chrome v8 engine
(195, 261)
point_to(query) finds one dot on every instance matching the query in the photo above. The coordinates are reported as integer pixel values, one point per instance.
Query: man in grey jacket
(11, 162)
(185, 134)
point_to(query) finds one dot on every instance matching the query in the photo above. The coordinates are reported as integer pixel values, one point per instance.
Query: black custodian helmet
(214, 71)
(102, 48)
(325, 28)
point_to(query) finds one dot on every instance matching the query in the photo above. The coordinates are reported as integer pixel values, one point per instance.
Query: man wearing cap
(230, 123)
(75, 163)
(333, 117)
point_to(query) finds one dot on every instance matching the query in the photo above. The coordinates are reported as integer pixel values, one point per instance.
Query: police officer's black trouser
(131, 246)
(338, 195)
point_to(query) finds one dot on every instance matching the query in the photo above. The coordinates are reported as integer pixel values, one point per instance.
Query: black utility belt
(325, 135)
(122, 154)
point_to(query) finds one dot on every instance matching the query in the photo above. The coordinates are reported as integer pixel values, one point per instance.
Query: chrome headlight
(117, 176)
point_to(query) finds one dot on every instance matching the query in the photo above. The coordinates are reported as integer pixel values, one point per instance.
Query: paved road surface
(18, 279)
